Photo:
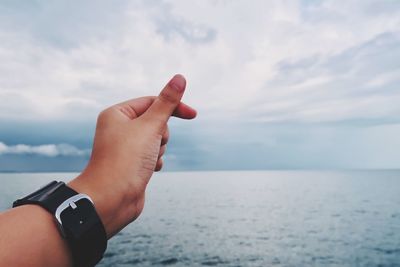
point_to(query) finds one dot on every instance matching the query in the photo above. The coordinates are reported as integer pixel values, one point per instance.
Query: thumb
(167, 101)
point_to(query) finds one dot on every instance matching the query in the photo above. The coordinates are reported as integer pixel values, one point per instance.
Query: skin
(130, 140)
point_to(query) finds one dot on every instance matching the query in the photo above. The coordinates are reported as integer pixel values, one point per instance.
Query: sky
(302, 84)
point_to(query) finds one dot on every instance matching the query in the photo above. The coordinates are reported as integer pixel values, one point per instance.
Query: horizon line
(229, 170)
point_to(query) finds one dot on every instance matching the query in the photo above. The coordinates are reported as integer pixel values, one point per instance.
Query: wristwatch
(76, 218)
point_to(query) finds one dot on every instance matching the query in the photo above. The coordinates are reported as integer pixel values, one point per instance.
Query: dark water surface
(271, 218)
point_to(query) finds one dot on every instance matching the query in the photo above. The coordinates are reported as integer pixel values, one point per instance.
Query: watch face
(79, 218)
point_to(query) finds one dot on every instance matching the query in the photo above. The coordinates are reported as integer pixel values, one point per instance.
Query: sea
(253, 218)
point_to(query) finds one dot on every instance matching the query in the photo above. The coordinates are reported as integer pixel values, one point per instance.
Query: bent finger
(134, 108)
(162, 151)
(184, 111)
(159, 165)
(165, 136)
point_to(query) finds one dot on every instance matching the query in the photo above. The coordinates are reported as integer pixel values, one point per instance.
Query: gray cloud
(276, 83)
(360, 83)
(65, 61)
(169, 25)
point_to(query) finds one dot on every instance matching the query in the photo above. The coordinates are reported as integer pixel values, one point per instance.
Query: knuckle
(162, 151)
(103, 115)
(164, 139)
(159, 164)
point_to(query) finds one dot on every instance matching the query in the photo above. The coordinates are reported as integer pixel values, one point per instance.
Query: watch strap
(78, 221)
(48, 197)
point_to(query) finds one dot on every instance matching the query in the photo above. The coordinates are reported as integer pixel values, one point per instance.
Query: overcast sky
(277, 84)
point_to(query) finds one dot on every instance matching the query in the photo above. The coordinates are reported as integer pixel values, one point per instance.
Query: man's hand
(130, 140)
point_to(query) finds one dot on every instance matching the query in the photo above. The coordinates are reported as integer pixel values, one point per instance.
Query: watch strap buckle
(68, 203)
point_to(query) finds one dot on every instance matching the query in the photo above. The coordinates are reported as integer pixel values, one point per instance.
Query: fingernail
(178, 82)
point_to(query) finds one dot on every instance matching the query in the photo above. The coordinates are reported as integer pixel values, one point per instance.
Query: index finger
(134, 108)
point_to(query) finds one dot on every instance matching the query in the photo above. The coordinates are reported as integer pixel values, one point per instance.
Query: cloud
(256, 70)
(66, 63)
(360, 83)
(48, 150)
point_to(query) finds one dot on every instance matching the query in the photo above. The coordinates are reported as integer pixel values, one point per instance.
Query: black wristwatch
(76, 218)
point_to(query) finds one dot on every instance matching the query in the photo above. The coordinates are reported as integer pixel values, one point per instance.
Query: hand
(130, 140)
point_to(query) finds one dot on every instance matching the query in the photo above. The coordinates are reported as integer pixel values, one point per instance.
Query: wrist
(114, 203)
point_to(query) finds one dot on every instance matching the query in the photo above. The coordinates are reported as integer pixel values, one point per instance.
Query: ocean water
(263, 218)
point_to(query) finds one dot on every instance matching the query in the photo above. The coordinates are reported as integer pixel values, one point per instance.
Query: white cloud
(48, 150)
(68, 64)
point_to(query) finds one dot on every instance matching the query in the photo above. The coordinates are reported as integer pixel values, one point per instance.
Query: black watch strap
(77, 219)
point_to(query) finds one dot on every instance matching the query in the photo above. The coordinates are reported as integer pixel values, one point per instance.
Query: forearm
(29, 237)
(29, 233)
